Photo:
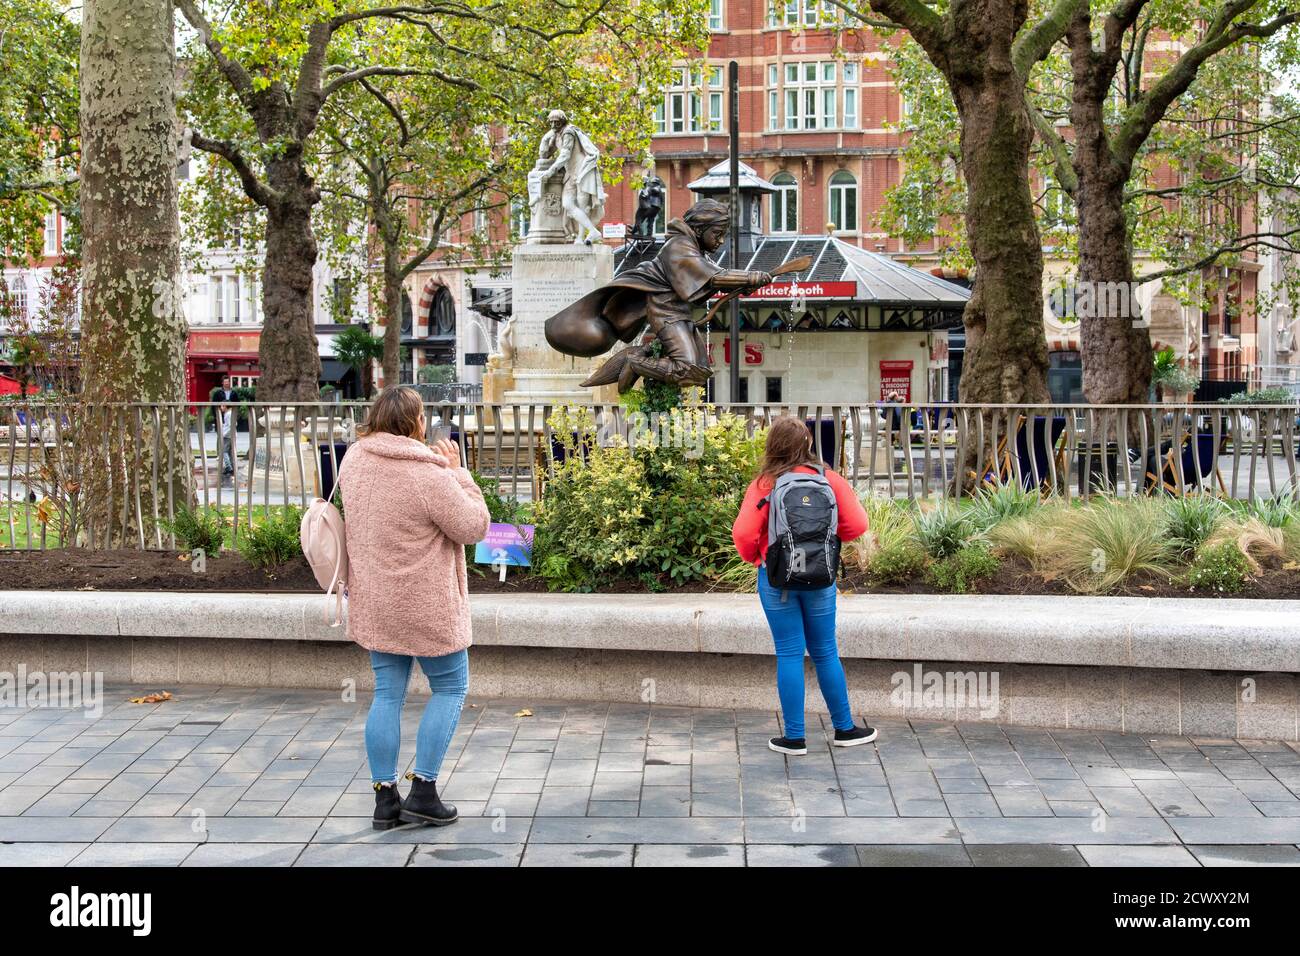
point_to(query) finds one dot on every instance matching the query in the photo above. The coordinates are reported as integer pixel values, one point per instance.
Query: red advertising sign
(896, 377)
(752, 352)
(808, 290)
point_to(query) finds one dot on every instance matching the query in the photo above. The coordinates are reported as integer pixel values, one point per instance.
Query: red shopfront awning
(11, 386)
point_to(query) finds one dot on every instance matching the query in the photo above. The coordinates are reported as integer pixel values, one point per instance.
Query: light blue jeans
(448, 680)
(805, 620)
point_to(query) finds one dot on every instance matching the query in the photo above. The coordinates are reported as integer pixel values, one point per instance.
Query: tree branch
(390, 106)
(1057, 148)
(234, 72)
(1241, 244)
(254, 188)
(354, 76)
(925, 26)
(1152, 105)
(1036, 42)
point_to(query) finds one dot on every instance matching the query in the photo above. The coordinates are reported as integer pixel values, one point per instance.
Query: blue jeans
(805, 621)
(448, 680)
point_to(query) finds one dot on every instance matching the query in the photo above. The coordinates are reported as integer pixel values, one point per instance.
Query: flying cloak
(617, 311)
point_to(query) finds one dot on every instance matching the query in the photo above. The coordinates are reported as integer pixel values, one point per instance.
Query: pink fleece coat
(408, 516)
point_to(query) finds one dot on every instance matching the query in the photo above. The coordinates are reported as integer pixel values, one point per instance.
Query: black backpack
(803, 546)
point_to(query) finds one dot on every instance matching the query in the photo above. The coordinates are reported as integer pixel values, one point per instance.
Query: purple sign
(506, 544)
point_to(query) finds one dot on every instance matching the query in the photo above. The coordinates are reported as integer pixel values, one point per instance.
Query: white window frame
(232, 298)
(693, 104)
(519, 217)
(800, 14)
(18, 299)
(717, 16)
(217, 299)
(52, 233)
(786, 197)
(840, 192)
(813, 95)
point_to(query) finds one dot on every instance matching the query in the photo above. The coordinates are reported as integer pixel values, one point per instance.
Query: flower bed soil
(127, 570)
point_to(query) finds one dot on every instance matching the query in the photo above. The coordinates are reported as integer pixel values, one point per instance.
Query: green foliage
(1221, 567)
(273, 540)
(1278, 511)
(944, 530)
(663, 508)
(897, 563)
(959, 571)
(355, 346)
(447, 102)
(436, 374)
(994, 504)
(1192, 520)
(1262, 396)
(1169, 373)
(1102, 545)
(501, 509)
(39, 124)
(198, 529)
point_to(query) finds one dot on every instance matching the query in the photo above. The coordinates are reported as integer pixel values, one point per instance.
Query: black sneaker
(787, 745)
(851, 738)
(388, 807)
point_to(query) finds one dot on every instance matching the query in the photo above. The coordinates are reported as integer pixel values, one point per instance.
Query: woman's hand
(447, 449)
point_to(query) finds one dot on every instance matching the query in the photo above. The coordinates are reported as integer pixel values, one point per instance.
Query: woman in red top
(800, 620)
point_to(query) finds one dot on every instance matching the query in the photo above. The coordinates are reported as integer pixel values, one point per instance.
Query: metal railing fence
(112, 476)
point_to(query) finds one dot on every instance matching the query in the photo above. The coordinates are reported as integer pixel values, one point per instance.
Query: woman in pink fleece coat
(409, 511)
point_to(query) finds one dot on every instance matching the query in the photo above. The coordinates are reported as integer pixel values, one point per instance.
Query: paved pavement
(278, 777)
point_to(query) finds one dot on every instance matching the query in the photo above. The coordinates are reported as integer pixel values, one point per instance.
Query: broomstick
(785, 268)
(611, 371)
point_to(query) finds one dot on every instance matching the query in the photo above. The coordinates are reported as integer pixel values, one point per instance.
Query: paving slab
(238, 776)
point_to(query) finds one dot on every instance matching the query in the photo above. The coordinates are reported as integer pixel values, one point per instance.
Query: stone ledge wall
(1202, 703)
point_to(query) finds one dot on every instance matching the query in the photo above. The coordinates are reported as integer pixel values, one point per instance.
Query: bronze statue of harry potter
(659, 294)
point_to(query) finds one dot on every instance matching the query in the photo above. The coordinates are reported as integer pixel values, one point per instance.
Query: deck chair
(1196, 468)
(1047, 447)
(832, 440)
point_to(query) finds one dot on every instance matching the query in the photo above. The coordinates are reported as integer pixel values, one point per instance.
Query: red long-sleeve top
(749, 531)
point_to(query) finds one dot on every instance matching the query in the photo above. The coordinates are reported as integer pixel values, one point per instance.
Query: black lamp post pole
(733, 119)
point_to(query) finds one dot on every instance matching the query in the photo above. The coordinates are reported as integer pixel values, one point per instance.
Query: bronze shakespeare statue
(658, 294)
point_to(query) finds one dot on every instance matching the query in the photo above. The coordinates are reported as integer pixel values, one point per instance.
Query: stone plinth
(546, 278)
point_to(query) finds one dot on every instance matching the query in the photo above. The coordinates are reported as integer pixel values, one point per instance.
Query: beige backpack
(325, 548)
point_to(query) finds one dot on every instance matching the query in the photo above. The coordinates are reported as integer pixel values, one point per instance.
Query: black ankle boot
(423, 806)
(388, 807)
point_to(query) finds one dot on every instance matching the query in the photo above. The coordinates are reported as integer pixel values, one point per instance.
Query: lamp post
(733, 77)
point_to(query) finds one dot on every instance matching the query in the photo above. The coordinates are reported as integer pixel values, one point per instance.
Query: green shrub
(501, 509)
(1192, 520)
(1103, 544)
(994, 504)
(663, 509)
(889, 524)
(737, 575)
(198, 529)
(274, 540)
(1278, 511)
(896, 563)
(1031, 538)
(1221, 567)
(1264, 396)
(957, 572)
(944, 530)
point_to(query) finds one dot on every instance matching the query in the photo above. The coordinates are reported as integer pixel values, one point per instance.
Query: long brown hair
(789, 445)
(396, 412)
